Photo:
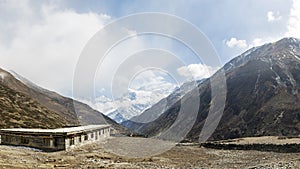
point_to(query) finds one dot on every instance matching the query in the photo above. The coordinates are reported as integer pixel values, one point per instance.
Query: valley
(131, 84)
(262, 100)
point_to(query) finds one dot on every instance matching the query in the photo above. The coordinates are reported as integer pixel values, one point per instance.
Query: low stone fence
(281, 148)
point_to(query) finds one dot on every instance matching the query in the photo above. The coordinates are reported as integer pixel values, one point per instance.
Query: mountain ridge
(60, 106)
(262, 96)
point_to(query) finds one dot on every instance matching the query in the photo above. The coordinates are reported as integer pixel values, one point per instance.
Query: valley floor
(96, 156)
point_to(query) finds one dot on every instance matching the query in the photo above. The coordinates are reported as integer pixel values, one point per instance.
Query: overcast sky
(42, 40)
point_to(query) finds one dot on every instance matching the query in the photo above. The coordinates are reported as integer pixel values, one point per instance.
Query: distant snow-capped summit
(132, 103)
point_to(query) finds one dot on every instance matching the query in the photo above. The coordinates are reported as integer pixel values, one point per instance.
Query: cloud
(293, 27)
(197, 71)
(152, 80)
(243, 44)
(48, 37)
(45, 38)
(271, 16)
(138, 54)
(234, 42)
(145, 89)
(261, 41)
(257, 42)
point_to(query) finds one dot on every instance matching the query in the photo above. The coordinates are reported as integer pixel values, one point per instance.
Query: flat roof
(58, 130)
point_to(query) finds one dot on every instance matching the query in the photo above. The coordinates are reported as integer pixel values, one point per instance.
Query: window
(92, 135)
(46, 141)
(56, 141)
(24, 140)
(79, 139)
(86, 137)
(6, 138)
(72, 141)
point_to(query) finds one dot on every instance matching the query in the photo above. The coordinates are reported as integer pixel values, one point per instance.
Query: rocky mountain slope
(262, 96)
(25, 104)
(20, 110)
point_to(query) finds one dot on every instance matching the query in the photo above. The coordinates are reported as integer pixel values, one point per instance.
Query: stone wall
(282, 148)
(53, 141)
(85, 138)
(40, 142)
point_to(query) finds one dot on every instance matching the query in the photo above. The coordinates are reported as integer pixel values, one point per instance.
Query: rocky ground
(96, 155)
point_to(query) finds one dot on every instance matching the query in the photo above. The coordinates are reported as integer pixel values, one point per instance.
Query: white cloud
(294, 20)
(271, 16)
(261, 41)
(247, 45)
(145, 89)
(43, 43)
(197, 71)
(135, 55)
(234, 42)
(153, 80)
(257, 42)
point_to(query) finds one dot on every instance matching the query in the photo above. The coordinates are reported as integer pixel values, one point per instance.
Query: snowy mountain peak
(289, 40)
(270, 52)
(134, 102)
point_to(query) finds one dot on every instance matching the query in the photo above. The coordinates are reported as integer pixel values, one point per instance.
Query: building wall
(40, 142)
(85, 138)
(54, 143)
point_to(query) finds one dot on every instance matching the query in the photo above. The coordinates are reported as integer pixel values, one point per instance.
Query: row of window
(46, 141)
(86, 137)
(9, 139)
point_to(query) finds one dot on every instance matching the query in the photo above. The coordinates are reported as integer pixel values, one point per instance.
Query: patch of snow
(292, 53)
(277, 78)
(256, 84)
(132, 103)
(292, 81)
(3, 75)
(249, 51)
(293, 40)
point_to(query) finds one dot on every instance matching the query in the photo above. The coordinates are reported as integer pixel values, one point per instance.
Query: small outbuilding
(54, 139)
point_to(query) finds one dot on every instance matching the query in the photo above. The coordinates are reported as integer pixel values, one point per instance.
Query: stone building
(54, 139)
